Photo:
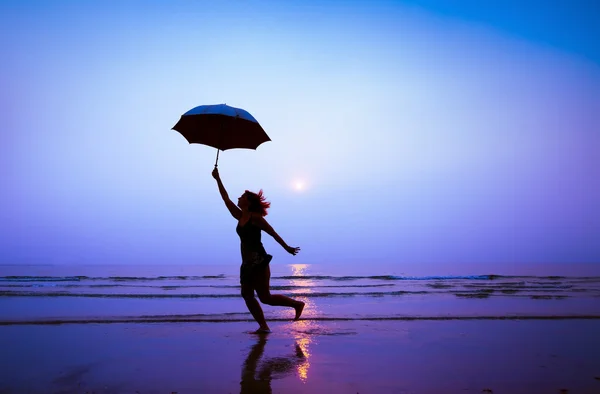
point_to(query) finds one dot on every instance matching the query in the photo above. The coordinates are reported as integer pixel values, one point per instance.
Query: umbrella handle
(217, 158)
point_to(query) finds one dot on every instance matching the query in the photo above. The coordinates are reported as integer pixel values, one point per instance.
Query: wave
(10, 293)
(172, 287)
(245, 317)
(41, 278)
(481, 293)
(381, 277)
(15, 278)
(493, 277)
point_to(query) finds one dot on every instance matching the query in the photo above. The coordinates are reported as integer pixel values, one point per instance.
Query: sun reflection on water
(298, 269)
(302, 285)
(302, 329)
(303, 340)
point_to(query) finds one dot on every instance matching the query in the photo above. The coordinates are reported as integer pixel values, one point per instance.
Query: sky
(429, 132)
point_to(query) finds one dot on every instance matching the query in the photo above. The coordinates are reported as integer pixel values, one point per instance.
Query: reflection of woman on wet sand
(258, 380)
(254, 271)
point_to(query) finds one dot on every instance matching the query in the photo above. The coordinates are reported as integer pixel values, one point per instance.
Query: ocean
(61, 294)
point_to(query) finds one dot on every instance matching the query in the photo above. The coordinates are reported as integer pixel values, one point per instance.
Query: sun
(299, 185)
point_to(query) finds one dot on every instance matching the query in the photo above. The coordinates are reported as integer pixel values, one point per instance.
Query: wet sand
(453, 356)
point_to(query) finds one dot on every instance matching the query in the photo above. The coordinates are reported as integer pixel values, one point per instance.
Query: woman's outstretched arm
(233, 209)
(266, 227)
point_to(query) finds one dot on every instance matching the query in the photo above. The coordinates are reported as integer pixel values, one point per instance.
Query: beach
(419, 356)
(169, 329)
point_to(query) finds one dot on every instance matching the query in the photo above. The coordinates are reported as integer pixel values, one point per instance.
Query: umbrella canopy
(222, 127)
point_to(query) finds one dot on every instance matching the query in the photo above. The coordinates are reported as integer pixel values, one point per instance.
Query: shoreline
(209, 319)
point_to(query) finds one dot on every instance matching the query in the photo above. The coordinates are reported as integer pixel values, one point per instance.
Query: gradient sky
(433, 132)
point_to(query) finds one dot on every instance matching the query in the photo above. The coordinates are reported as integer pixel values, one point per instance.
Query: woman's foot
(263, 330)
(299, 308)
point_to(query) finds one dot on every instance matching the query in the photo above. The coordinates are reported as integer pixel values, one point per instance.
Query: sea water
(58, 294)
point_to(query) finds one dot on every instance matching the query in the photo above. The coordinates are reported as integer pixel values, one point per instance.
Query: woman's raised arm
(233, 209)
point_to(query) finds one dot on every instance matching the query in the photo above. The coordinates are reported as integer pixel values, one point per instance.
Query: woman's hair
(257, 202)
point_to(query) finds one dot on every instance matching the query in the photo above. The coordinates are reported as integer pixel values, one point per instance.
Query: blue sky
(433, 132)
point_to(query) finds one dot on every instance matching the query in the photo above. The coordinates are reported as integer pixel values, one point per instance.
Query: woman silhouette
(254, 271)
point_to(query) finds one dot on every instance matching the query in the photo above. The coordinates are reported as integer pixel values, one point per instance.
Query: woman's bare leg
(261, 284)
(254, 307)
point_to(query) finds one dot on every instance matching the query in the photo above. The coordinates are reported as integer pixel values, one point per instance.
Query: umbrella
(222, 127)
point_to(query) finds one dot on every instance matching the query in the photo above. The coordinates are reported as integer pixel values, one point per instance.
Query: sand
(453, 356)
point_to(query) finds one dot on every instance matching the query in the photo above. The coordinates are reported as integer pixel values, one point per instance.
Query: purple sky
(416, 131)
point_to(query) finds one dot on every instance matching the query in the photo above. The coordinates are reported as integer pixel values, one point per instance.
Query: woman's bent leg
(262, 284)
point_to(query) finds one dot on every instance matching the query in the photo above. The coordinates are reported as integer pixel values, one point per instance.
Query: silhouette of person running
(254, 271)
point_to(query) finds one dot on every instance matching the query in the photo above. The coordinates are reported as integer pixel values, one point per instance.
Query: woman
(254, 271)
